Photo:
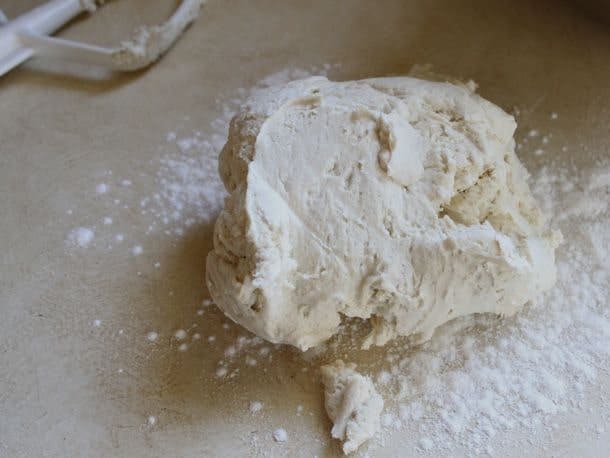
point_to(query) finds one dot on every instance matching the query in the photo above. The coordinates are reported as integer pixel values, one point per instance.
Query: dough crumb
(180, 334)
(352, 403)
(81, 237)
(256, 406)
(280, 435)
(152, 336)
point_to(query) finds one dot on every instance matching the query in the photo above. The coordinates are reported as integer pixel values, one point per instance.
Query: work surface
(79, 373)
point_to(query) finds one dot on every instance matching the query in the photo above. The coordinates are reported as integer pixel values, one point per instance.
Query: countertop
(74, 386)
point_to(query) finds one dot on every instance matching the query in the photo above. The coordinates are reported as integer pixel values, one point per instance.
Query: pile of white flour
(478, 375)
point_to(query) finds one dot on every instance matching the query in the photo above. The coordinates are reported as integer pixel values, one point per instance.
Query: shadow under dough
(182, 387)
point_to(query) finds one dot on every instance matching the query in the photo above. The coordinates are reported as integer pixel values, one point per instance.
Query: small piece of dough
(397, 200)
(352, 403)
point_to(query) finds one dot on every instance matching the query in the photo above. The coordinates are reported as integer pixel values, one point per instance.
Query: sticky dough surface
(394, 199)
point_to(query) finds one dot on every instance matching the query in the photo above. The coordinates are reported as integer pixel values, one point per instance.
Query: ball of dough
(394, 199)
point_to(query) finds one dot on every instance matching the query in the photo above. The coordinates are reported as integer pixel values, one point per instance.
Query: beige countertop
(63, 127)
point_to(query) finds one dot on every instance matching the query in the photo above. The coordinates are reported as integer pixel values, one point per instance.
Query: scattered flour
(180, 334)
(80, 236)
(256, 406)
(533, 133)
(152, 336)
(280, 435)
(221, 372)
(189, 190)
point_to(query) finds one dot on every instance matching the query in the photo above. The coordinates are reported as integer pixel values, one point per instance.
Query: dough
(352, 403)
(395, 199)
